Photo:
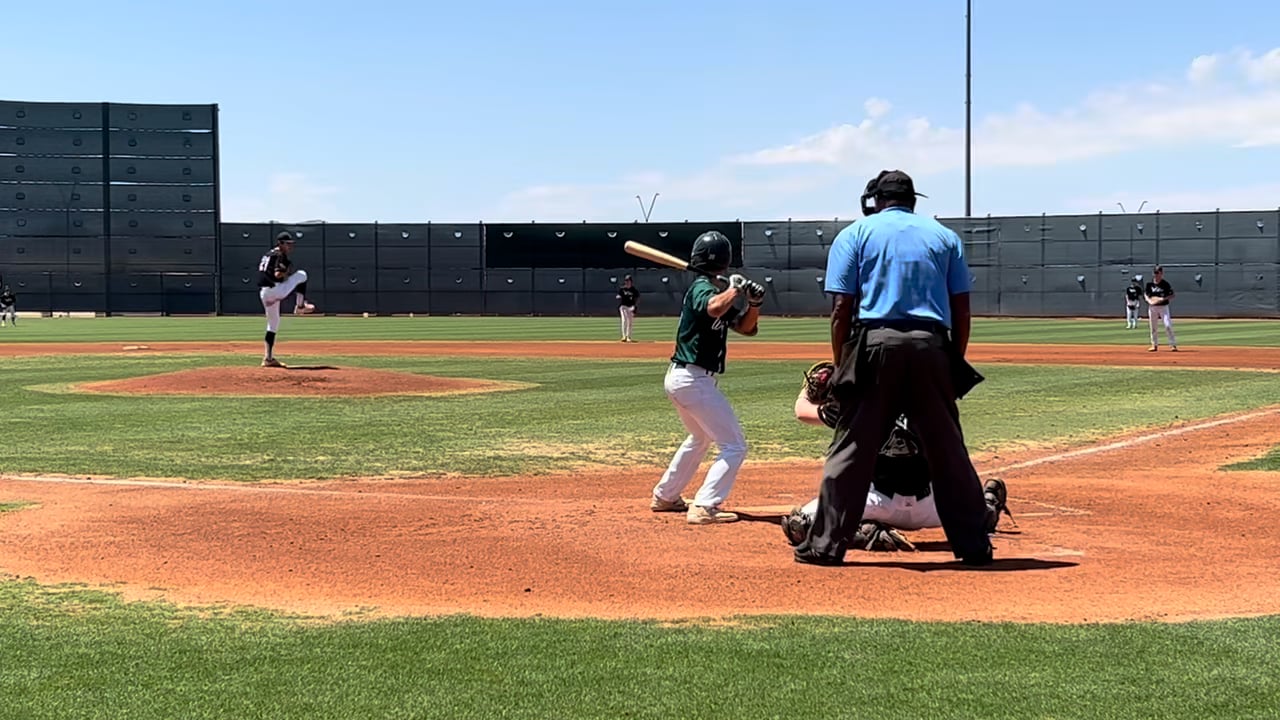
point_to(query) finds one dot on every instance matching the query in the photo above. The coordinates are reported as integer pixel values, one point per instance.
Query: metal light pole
(968, 113)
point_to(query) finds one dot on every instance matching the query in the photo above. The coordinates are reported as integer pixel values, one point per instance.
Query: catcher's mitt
(876, 537)
(817, 382)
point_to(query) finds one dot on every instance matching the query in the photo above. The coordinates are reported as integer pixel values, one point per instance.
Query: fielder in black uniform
(279, 280)
(8, 301)
(628, 295)
(1132, 304)
(1158, 293)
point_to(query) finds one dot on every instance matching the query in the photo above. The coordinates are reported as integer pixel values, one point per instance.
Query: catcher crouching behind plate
(901, 496)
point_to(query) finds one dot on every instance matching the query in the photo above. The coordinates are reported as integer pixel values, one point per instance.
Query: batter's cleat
(304, 309)
(657, 504)
(272, 363)
(795, 526)
(699, 515)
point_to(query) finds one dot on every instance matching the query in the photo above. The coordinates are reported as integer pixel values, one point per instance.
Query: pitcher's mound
(296, 382)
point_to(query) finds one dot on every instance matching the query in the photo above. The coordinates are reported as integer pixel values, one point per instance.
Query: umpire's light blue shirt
(906, 266)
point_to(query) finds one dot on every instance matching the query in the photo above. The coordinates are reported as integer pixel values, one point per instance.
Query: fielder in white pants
(627, 296)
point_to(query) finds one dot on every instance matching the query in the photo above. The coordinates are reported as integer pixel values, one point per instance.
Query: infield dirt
(1151, 529)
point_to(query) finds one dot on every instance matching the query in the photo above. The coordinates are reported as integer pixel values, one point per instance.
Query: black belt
(932, 326)
(683, 364)
(890, 492)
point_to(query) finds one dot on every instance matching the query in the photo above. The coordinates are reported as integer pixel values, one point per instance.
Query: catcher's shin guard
(996, 496)
(796, 527)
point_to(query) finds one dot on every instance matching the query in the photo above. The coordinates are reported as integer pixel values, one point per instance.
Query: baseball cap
(895, 183)
(284, 237)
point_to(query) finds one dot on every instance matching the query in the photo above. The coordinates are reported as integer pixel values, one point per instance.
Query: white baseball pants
(1157, 314)
(272, 296)
(1131, 315)
(628, 318)
(903, 513)
(8, 312)
(709, 418)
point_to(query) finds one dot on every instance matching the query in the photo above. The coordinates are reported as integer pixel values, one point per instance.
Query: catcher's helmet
(712, 252)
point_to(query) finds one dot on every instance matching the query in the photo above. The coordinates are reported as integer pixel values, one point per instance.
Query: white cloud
(288, 197)
(1225, 100)
(1202, 69)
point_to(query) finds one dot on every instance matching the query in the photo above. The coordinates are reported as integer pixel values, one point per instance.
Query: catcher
(901, 496)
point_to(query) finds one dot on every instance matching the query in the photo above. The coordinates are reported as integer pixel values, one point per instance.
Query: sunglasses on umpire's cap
(889, 183)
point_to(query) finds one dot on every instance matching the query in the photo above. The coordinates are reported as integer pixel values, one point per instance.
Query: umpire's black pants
(897, 371)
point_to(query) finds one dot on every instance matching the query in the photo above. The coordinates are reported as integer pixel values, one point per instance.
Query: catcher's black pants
(897, 371)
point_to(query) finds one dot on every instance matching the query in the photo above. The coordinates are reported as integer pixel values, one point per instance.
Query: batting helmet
(712, 252)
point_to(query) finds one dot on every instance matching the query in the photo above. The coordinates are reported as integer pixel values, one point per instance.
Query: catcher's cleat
(796, 527)
(996, 496)
(699, 515)
(657, 504)
(304, 309)
(272, 363)
(877, 537)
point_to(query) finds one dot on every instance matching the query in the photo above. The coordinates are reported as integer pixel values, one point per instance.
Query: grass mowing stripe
(986, 330)
(150, 660)
(576, 407)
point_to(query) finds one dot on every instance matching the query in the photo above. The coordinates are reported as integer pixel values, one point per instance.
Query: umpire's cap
(284, 237)
(894, 184)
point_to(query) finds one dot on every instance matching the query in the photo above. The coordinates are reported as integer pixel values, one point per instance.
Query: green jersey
(701, 339)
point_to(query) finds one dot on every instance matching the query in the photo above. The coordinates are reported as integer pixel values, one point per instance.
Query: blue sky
(565, 110)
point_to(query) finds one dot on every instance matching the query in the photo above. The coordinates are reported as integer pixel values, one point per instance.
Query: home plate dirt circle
(297, 381)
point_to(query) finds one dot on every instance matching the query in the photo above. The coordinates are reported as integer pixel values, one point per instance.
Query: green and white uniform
(691, 386)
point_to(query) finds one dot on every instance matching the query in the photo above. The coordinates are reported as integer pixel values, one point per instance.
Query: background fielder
(8, 304)
(706, 317)
(1158, 293)
(1132, 303)
(278, 280)
(627, 296)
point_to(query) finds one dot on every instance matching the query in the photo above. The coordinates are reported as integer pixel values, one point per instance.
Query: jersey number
(262, 266)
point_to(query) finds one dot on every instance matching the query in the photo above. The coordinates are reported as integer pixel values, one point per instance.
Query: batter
(707, 315)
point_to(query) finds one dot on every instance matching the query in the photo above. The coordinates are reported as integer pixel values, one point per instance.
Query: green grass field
(1112, 332)
(74, 652)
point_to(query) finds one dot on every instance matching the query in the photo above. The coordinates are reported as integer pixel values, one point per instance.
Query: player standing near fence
(1132, 304)
(1158, 294)
(628, 295)
(278, 280)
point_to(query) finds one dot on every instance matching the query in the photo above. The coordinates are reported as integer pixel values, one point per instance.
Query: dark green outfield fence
(113, 208)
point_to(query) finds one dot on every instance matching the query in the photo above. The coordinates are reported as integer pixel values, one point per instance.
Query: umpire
(899, 329)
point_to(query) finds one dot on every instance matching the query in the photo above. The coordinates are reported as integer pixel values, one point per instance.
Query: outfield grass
(80, 654)
(117, 329)
(587, 413)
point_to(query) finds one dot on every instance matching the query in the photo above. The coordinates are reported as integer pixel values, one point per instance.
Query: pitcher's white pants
(708, 417)
(272, 296)
(901, 512)
(1157, 314)
(628, 318)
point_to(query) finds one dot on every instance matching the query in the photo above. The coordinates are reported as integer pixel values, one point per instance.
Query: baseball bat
(655, 255)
